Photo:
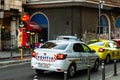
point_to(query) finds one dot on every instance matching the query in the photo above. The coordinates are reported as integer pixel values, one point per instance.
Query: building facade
(10, 14)
(86, 19)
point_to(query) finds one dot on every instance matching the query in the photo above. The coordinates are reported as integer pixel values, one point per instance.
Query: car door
(114, 51)
(87, 55)
(77, 51)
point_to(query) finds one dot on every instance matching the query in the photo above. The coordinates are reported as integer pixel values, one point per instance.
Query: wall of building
(69, 20)
(59, 21)
(10, 11)
(76, 20)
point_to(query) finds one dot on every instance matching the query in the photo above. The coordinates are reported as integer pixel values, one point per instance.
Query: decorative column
(13, 32)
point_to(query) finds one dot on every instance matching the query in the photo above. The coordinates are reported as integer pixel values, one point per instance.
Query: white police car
(67, 38)
(61, 55)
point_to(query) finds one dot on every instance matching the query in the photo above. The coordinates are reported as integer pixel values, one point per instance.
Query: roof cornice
(61, 3)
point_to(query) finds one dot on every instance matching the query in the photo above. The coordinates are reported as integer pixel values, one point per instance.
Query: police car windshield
(54, 46)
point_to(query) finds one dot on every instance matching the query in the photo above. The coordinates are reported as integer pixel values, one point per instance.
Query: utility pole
(100, 6)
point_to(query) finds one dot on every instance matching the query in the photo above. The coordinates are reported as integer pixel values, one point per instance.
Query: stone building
(10, 14)
(86, 19)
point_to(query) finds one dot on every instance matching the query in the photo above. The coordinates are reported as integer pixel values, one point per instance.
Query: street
(17, 72)
(24, 72)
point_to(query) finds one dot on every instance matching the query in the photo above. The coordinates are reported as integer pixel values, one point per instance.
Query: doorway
(42, 20)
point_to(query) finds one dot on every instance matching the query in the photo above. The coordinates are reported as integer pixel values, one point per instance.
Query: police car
(62, 55)
(67, 38)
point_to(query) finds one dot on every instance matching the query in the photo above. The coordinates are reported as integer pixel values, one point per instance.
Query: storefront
(10, 12)
(79, 18)
(29, 34)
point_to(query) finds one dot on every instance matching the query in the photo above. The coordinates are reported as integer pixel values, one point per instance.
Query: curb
(2, 58)
(11, 62)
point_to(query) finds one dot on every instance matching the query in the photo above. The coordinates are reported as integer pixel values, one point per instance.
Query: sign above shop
(25, 17)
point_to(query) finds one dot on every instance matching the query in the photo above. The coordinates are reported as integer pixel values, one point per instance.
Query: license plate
(44, 65)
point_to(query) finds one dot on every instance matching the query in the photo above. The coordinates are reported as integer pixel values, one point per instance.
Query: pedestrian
(41, 43)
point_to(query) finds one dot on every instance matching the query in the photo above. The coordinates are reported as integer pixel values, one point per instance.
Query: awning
(32, 26)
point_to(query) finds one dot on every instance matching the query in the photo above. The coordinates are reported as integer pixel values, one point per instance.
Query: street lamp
(100, 6)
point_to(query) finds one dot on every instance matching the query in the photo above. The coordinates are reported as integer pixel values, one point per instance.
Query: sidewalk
(114, 77)
(12, 54)
(8, 57)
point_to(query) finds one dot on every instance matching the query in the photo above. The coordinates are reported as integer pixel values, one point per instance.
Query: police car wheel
(96, 66)
(39, 71)
(71, 70)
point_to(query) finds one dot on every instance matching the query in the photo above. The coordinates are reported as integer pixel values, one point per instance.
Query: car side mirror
(93, 51)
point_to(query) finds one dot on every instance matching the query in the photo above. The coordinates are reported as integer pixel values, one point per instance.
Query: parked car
(67, 38)
(117, 41)
(61, 55)
(106, 49)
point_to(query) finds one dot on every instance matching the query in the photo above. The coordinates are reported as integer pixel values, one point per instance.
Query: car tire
(96, 66)
(71, 70)
(107, 59)
(39, 71)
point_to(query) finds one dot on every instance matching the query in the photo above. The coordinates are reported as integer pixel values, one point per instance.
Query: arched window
(103, 25)
(104, 21)
(42, 20)
(117, 28)
(117, 24)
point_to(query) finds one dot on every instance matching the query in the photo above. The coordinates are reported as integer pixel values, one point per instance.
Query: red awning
(32, 26)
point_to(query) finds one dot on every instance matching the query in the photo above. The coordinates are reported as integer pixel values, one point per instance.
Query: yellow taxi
(93, 41)
(106, 49)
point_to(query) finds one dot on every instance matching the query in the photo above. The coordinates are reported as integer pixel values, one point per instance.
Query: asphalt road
(24, 72)
(17, 72)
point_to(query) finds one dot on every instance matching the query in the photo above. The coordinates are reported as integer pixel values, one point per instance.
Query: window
(86, 48)
(55, 46)
(78, 47)
(112, 45)
(98, 43)
(48, 45)
(61, 46)
(117, 24)
(103, 26)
